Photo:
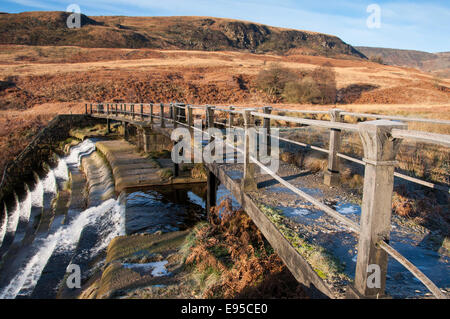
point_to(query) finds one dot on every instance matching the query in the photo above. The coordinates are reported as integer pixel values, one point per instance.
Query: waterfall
(84, 148)
(37, 195)
(13, 218)
(49, 182)
(24, 215)
(63, 240)
(25, 206)
(111, 226)
(61, 170)
(107, 220)
(3, 223)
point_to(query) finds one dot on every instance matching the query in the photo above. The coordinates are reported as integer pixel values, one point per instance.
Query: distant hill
(189, 33)
(436, 63)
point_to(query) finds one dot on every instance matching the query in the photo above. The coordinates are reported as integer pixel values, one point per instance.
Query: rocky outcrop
(192, 33)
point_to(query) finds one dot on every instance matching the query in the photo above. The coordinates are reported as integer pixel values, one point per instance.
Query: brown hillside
(189, 33)
(436, 63)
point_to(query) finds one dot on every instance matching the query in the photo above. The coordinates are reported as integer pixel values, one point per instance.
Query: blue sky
(416, 25)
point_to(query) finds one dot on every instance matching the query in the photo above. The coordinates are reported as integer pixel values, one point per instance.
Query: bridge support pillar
(379, 155)
(146, 137)
(176, 169)
(331, 176)
(140, 138)
(125, 130)
(248, 180)
(211, 191)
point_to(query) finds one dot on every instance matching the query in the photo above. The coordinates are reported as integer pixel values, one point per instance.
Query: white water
(108, 218)
(49, 183)
(37, 195)
(3, 225)
(61, 170)
(110, 227)
(82, 149)
(64, 240)
(158, 268)
(24, 215)
(13, 218)
(25, 206)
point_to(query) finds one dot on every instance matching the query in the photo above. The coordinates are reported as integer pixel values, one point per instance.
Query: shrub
(304, 91)
(325, 77)
(376, 59)
(273, 80)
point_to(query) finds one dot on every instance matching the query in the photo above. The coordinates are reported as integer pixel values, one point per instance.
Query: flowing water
(44, 242)
(3, 224)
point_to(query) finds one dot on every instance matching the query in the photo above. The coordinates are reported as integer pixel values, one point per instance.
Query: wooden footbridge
(380, 137)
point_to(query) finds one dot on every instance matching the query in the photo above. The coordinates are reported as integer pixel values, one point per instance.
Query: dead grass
(422, 207)
(232, 259)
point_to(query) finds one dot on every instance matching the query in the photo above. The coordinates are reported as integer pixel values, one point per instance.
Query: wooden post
(91, 107)
(142, 112)
(211, 191)
(231, 118)
(182, 113)
(98, 108)
(162, 115)
(379, 155)
(125, 109)
(175, 115)
(171, 111)
(189, 117)
(209, 116)
(266, 127)
(85, 109)
(331, 176)
(248, 181)
(132, 111)
(151, 113)
(107, 108)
